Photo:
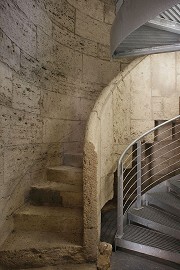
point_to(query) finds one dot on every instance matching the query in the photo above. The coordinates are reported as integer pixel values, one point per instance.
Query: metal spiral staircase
(149, 193)
(145, 27)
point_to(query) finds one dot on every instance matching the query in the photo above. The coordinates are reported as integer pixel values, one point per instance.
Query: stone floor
(126, 261)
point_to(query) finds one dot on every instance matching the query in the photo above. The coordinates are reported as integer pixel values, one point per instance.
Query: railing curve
(147, 161)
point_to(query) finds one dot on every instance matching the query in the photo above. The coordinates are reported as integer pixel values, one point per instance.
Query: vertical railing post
(139, 151)
(120, 201)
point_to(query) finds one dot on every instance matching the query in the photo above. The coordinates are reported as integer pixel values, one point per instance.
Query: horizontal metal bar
(160, 157)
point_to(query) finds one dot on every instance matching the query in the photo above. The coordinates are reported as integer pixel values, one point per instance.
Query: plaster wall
(54, 62)
(147, 90)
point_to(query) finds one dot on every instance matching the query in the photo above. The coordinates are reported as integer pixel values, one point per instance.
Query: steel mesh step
(151, 238)
(156, 219)
(175, 185)
(165, 200)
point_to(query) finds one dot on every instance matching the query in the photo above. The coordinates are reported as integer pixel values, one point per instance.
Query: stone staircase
(48, 229)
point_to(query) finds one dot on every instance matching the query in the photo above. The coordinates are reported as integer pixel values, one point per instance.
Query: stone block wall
(54, 63)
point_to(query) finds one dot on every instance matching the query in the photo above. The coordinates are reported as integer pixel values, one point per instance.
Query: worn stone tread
(49, 211)
(65, 174)
(37, 249)
(65, 168)
(58, 186)
(67, 267)
(23, 240)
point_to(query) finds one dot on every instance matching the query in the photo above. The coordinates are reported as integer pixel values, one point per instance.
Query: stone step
(56, 194)
(65, 174)
(73, 159)
(67, 221)
(86, 266)
(27, 249)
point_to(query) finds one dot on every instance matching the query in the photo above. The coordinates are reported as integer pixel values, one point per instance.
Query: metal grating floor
(166, 198)
(175, 184)
(151, 238)
(157, 215)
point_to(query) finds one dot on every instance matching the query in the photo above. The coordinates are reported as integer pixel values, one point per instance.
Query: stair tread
(175, 183)
(49, 211)
(156, 215)
(150, 238)
(65, 168)
(67, 267)
(23, 240)
(58, 186)
(166, 198)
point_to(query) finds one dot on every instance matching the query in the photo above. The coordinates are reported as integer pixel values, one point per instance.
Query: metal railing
(146, 162)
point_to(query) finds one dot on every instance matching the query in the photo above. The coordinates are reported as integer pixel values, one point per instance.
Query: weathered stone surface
(31, 69)
(109, 13)
(25, 96)
(55, 130)
(93, 8)
(104, 52)
(85, 24)
(178, 85)
(78, 43)
(36, 15)
(99, 71)
(163, 67)
(75, 147)
(105, 251)
(122, 106)
(56, 194)
(106, 128)
(65, 174)
(43, 249)
(73, 159)
(165, 108)
(18, 161)
(18, 28)
(44, 48)
(9, 52)
(55, 105)
(140, 91)
(69, 267)
(33, 218)
(6, 226)
(138, 127)
(60, 12)
(1, 169)
(91, 204)
(5, 85)
(19, 127)
(68, 62)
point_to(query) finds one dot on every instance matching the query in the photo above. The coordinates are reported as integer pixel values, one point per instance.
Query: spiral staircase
(149, 193)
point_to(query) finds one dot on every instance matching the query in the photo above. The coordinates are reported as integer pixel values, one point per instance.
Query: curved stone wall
(54, 62)
(147, 90)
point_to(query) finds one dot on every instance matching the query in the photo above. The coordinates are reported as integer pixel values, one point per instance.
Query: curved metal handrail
(139, 184)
